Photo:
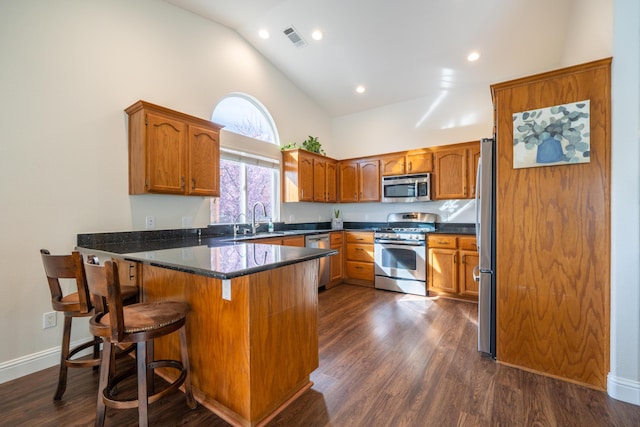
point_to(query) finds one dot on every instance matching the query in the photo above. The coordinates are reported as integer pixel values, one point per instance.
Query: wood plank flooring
(386, 359)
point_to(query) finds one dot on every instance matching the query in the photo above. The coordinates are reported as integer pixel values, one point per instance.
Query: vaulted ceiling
(398, 50)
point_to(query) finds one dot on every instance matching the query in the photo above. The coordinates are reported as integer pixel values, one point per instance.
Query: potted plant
(312, 144)
(336, 221)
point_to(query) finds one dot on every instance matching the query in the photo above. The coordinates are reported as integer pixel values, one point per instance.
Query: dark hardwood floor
(386, 359)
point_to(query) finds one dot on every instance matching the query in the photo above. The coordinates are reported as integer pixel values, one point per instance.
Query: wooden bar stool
(76, 304)
(140, 324)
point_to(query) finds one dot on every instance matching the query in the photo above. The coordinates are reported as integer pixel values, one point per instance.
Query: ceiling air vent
(295, 38)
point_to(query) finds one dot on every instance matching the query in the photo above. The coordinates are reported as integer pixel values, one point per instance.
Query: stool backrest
(66, 267)
(103, 281)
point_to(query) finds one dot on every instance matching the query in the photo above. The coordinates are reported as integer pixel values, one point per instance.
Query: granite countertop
(214, 252)
(213, 257)
(228, 260)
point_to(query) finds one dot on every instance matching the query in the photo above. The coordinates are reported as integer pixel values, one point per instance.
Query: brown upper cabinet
(308, 177)
(171, 152)
(408, 162)
(455, 171)
(359, 180)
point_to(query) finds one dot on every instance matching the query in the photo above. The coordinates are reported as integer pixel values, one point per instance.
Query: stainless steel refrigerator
(486, 241)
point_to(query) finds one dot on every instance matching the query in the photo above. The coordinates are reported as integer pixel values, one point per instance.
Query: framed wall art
(557, 135)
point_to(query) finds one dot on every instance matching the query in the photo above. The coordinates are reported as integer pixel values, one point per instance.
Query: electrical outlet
(226, 289)
(150, 222)
(49, 320)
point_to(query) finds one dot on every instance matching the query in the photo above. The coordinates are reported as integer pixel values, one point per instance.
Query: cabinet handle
(410, 166)
(131, 275)
(455, 259)
(193, 183)
(182, 183)
(463, 259)
(359, 249)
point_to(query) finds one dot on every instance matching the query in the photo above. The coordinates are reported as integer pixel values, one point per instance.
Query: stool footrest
(110, 390)
(83, 363)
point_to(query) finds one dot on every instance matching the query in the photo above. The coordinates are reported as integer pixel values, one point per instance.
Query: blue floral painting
(552, 136)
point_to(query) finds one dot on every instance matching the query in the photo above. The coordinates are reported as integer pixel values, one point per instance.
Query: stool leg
(64, 355)
(141, 361)
(184, 355)
(151, 388)
(105, 365)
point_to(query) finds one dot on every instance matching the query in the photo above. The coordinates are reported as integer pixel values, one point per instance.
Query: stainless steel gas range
(400, 252)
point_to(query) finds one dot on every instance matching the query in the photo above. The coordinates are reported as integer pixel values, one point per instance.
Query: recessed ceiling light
(360, 89)
(317, 35)
(264, 34)
(473, 56)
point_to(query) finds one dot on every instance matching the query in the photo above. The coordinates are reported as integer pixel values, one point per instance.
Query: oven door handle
(400, 243)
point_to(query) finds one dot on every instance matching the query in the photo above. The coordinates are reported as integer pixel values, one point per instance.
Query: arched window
(245, 115)
(249, 161)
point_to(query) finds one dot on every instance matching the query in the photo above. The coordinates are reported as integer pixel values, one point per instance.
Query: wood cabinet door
(336, 263)
(305, 177)
(331, 182)
(468, 285)
(319, 180)
(419, 162)
(369, 177)
(443, 270)
(294, 241)
(474, 158)
(128, 272)
(204, 162)
(348, 181)
(392, 165)
(165, 161)
(451, 174)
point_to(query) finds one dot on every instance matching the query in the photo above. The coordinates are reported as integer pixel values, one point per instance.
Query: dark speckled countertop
(213, 252)
(209, 255)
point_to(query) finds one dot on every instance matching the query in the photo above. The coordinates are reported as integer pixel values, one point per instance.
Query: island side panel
(217, 333)
(284, 334)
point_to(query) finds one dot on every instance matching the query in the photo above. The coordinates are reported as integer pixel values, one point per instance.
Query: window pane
(242, 185)
(260, 187)
(240, 115)
(230, 204)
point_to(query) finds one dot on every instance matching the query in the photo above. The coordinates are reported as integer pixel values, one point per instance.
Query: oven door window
(402, 259)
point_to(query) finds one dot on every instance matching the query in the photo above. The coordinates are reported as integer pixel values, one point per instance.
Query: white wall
(69, 68)
(624, 376)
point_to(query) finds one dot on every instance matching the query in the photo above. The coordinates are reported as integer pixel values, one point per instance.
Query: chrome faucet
(236, 227)
(254, 222)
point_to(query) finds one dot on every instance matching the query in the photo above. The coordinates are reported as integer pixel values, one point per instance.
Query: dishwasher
(320, 241)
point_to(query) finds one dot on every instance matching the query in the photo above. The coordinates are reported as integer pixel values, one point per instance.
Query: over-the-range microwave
(406, 188)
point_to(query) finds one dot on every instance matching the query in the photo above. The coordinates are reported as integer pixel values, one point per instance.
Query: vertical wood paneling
(553, 237)
(251, 354)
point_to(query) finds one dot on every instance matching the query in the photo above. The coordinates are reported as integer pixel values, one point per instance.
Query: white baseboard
(623, 389)
(25, 365)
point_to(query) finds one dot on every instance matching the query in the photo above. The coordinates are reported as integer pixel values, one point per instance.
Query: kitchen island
(253, 327)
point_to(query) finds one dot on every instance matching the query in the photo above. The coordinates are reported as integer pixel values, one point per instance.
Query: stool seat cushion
(143, 317)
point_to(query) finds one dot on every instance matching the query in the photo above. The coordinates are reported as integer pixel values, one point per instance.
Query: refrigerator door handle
(478, 190)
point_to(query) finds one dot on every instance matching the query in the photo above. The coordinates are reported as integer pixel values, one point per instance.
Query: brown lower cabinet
(450, 262)
(359, 263)
(336, 240)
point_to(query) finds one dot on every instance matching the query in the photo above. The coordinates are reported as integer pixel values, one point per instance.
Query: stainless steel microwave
(406, 188)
